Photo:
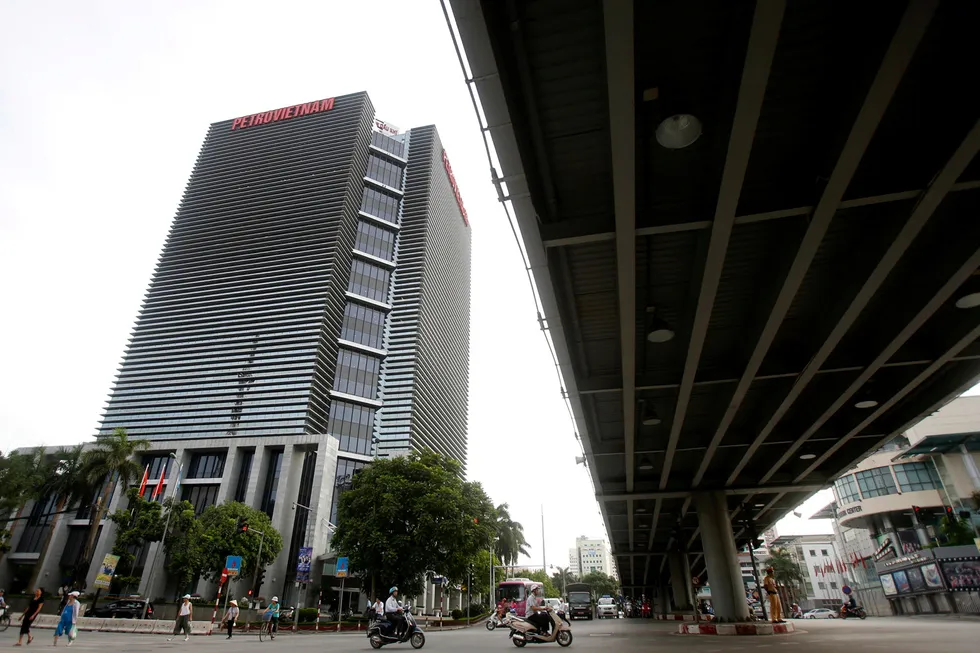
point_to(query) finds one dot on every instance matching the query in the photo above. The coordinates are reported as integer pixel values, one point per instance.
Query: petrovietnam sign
(452, 182)
(285, 113)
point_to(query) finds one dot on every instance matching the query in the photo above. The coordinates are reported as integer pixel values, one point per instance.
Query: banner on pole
(303, 564)
(233, 565)
(342, 568)
(106, 571)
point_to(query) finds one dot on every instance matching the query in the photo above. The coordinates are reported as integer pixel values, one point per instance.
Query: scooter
(382, 631)
(496, 620)
(847, 611)
(523, 632)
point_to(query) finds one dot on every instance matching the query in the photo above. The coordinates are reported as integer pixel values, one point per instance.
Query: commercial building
(888, 510)
(820, 561)
(591, 555)
(310, 310)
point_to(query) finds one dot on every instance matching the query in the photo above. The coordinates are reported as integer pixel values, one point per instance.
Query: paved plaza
(896, 635)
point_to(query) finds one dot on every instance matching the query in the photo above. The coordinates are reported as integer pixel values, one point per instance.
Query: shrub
(456, 614)
(307, 615)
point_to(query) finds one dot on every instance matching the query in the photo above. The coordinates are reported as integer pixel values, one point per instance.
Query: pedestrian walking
(183, 622)
(231, 616)
(69, 617)
(30, 614)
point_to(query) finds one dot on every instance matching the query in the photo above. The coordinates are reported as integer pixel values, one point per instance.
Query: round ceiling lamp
(866, 403)
(650, 416)
(808, 456)
(678, 131)
(645, 465)
(969, 301)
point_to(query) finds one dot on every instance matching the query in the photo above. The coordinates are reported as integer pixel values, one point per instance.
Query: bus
(579, 601)
(517, 591)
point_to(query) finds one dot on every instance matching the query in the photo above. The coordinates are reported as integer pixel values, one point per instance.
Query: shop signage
(452, 181)
(849, 511)
(284, 113)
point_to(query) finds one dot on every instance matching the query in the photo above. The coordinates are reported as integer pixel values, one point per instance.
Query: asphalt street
(895, 635)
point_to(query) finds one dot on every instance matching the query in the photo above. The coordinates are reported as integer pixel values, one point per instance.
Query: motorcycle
(496, 620)
(847, 611)
(523, 632)
(382, 631)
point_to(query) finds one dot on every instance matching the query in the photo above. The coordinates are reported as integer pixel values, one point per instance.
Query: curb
(736, 629)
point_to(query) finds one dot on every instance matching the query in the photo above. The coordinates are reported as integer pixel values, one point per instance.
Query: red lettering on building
(285, 113)
(452, 182)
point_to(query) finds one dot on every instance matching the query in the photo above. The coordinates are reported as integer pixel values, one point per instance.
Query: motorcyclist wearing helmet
(537, 613)
(394, 611)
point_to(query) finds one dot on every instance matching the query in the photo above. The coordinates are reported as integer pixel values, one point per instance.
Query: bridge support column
(721, 557)
(680, 580)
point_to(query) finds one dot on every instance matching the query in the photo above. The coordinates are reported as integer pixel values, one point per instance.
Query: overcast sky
(103, 108)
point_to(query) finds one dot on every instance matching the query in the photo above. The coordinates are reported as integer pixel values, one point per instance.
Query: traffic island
(736, 629)
(678, 616)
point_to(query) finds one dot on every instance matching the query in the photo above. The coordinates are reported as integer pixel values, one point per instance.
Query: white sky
(103, 108)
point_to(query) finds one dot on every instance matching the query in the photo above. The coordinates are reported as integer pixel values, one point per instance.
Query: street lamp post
(163, 539)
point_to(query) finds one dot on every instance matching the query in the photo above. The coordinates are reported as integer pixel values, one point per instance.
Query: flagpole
(166, 527)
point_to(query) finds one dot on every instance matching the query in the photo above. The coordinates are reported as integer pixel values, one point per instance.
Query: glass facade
(375, 240)
(157, 463)
(201, 497)
(272, 482)
(846, 490)
(914, 477)
(368, 280)
(363, 325)
(384, 171)
(380, 205)
(357, 374)
(388, 144)
(244, 474)
(353, 425)
(876, 482)
(346, 469)
(206, 465)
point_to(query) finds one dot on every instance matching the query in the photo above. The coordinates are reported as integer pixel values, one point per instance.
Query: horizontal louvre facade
(238, 331)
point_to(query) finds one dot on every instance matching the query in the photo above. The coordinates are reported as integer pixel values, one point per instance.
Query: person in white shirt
(183, 622)
(378, 607)
(394, 611)
(536, 612)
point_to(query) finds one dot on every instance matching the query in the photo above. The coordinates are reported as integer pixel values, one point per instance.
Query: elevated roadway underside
(808, 251)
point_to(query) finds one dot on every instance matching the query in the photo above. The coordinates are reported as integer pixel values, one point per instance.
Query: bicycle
(4, 619)
(266, 629)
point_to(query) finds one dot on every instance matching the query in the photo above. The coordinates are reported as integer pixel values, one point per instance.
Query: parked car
(555, 604)
(123, 609)
(820, 613)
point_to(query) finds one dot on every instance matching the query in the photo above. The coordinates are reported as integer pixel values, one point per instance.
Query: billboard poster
(303, 562)
(902, 582)
(888, 585)
(916, 580)
(962, 575)
(342, 568)
(930, 573)
(106, 571)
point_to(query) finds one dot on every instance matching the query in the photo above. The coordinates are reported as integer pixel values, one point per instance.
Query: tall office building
(317, 272)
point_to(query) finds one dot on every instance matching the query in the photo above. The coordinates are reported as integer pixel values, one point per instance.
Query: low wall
(149, 626)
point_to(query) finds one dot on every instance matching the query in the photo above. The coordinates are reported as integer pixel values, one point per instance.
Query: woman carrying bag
(69, 619)
(231, 616)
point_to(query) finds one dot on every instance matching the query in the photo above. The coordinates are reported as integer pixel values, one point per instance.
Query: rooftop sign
(385, 127)
(285, 113)
(452, 181)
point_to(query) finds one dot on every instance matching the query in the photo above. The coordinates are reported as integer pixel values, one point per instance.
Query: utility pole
(544, 559)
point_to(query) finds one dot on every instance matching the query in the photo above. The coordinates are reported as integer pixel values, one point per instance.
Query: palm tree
(20, 476)
(108, 464)
(562, 577)
(65, 483)
(785, 569)
(509, 543)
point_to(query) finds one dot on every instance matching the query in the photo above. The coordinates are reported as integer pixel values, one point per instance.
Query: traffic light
(242, 526)
(259, 577)
(917, 512)
(949, 513)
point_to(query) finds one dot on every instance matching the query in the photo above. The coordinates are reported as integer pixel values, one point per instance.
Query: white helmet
(275, 599)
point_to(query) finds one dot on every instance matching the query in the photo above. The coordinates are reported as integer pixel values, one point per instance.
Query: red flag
(864, 562)
(159, 488)
(816, 570)
(146, 475)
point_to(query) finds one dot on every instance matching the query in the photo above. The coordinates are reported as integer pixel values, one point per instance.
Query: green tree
(65, 483)
(601, 583)
(406, 516)
(197, 546)
(480, 566)
(108, 464)
(21, 475)
(550, 591)
(139, 524)
(785, 570)
(957, 531)
(561, 578)
(509, 540)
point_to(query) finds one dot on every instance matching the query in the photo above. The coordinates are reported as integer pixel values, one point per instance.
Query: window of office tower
(369, 281)
(363, 325)
(380, 205)
(386, 172)
(375, 240)
(353, 426)
(272, 482)
(356, 374)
